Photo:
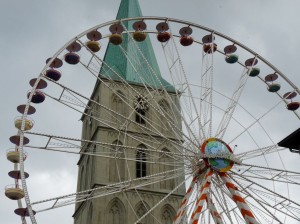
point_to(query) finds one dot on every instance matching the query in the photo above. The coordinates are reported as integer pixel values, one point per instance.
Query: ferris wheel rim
(21, 133)
(176, 21)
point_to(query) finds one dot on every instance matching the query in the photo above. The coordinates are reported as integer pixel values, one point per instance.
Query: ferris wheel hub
(217, 154)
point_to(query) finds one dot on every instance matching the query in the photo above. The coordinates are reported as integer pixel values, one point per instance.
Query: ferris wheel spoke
(263, 199)
(190, 119)
(178, 76)
(232, 104)
(190, 104)
(258, 200)
(268, 207)
(117, 115)
(257, 120)
(232, 210)
(207, 81)
(202, 197)
(175, 131)
(174, 108)
(176, 72)
(181, 114)
(104, 190)
(143, 128)
(176, 163)
(269, 173)
(177, 145)
(264, 150)
(149, 211)
(250, 154)
(146, 207)
(285, 201)
(261, 177)
(213, 210)
(162, 200)
(189, 208)
(183, 205)
(139, 54)
(276, 176)
(244, 128)
(281, 171)
(239, 199)
(261, 213)
(68, 146)
(220, 198)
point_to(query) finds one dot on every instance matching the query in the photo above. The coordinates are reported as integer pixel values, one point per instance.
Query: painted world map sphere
(213, 149)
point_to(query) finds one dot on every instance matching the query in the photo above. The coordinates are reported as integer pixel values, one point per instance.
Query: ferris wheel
(205, 119)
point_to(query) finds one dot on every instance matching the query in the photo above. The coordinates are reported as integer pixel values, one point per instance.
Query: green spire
(128, 9)
(127, 60)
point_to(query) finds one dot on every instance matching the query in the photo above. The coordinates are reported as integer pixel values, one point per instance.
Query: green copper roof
(135, 70)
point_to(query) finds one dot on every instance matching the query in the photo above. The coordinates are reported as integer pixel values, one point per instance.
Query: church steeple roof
(127, 61)
(128, 9)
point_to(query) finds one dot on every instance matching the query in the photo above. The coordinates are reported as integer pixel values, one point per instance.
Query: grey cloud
(33, 30)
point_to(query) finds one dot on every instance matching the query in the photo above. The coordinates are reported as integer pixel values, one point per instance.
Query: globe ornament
(217, 155)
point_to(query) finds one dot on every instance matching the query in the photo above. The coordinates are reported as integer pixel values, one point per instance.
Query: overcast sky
(33, 30)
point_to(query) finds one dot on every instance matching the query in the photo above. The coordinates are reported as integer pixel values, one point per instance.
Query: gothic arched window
(165, 107)
(166, 164)
(141, 107)
(119, 105)
(141, 162)
(165, 115)
(141, 208)
(115, 213)
(168, 214)
(117, 163)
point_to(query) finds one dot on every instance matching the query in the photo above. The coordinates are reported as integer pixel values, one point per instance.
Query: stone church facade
(122, 124)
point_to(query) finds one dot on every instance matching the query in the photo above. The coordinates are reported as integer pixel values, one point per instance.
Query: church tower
(128, 131)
